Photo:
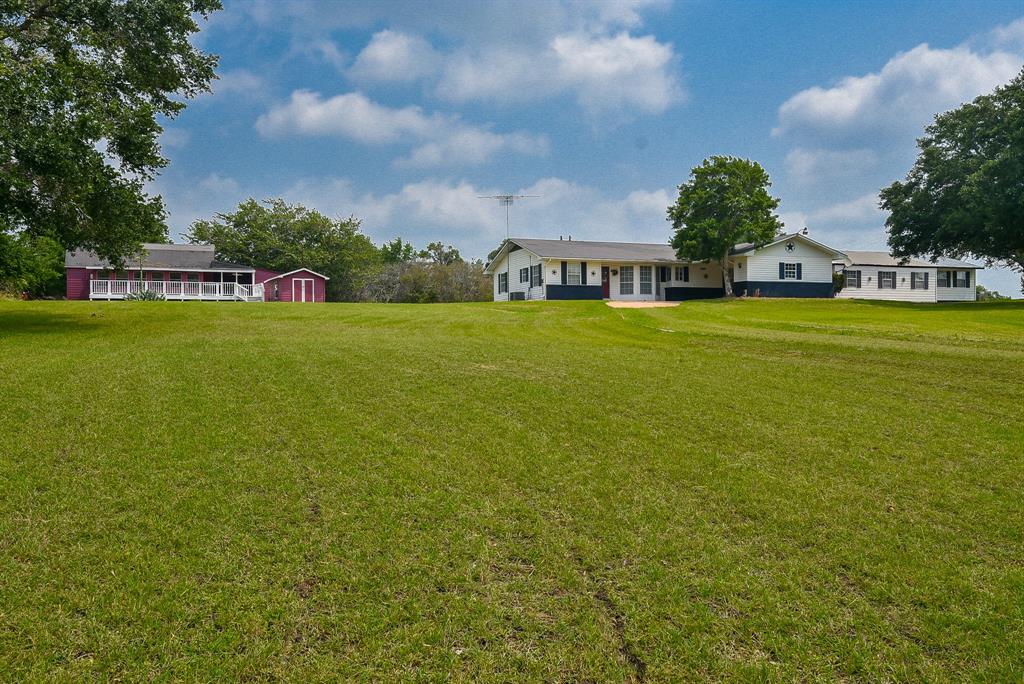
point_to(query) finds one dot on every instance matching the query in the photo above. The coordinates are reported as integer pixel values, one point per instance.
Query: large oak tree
(83, 84)
(725, 202)
(965, 194)
(283, 237)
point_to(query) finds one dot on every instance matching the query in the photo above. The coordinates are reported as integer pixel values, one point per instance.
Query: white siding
(521, 258)
(903, 293)
(763, 264)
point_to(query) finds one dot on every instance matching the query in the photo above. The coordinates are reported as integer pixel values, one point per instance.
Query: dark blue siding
(556, 292)
(787, 288)
(681, 294)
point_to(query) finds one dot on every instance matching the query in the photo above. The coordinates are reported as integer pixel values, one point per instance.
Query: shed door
(302, 290)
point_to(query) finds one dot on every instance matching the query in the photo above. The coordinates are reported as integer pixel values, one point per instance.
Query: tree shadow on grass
(15, 323)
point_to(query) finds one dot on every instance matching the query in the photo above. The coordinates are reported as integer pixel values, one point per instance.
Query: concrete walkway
(641, 305)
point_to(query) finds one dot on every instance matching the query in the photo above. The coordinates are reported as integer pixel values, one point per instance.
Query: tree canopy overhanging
(964, 195)
(83, 84)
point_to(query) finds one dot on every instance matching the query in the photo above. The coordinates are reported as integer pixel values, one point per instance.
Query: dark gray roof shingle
(171, 257)
(857, 258)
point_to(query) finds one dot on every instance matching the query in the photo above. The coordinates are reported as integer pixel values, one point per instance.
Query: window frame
(917, 280)
(847, 274)
(883, 276)
(624, 281)
(573, 272)
(958, 282)
(524, 274)
(646, 287)
(536, 275)
(679, 275)
(503, 283)
(786, 266)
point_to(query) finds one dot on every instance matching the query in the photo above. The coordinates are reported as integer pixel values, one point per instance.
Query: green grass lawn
(759, 490)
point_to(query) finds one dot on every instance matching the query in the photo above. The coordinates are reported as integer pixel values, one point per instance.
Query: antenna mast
(506, 201)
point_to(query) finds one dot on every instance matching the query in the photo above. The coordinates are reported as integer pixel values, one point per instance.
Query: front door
(606, 283)
(302, 290)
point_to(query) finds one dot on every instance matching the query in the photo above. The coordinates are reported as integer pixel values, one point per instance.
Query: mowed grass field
(748, 490)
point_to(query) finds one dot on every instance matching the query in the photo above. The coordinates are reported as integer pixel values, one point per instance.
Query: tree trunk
(726, 280)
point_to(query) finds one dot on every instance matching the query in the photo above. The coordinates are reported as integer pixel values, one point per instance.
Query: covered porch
(177, 290)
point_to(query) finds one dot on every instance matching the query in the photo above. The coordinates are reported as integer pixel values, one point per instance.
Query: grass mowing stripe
(557, 491)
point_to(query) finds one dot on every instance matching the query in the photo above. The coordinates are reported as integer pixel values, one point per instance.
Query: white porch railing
(173, 289)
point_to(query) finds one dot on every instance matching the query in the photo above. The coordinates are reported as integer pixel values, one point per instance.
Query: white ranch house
(525, 268)
(879, 275)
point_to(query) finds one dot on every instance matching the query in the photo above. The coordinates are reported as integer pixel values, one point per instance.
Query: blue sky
(402, 113)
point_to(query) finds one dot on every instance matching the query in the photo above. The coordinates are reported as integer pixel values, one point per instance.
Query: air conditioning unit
(517, 296)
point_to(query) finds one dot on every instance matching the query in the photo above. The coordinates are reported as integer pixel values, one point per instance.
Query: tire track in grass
(598, 588)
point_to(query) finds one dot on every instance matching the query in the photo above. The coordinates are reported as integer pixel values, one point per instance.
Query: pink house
(187, 272)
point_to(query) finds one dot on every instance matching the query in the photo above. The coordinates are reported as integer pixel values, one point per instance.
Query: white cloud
(605, 73)
(219, 184)
(439, 139)
(902, 96)
(812, 166)
(351, 115)
(174, 138)
(862, 209)
(473, 146)
(240, 82)
(593, 51)
(395, 56)
(326, 51)
(452, 211)
(618, 72)
(1010, 36)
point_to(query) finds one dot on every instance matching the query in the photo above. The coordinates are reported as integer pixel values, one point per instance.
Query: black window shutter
(583, 273)
(565, 272)
(913, 281)
(878, 277)
(686, 274)
(926, 281)
(782, 270)
(967, 278)
(799, 271)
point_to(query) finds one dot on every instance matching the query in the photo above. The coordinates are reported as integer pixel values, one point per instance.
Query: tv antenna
(507, 201)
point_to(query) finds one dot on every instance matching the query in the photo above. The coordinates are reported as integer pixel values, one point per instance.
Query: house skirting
(788, 288)
(572, 291)
(681, 294)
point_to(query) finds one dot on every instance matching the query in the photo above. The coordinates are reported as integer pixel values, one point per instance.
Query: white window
(626, 280)
(961, 279)
(790, 272)
(943, 279)
(887, 279)
(679, 273)
(524, 274)
(573, 274)
(918, 281)
(502, 283)
(645, 280)
(852, 279)
(535, 275)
